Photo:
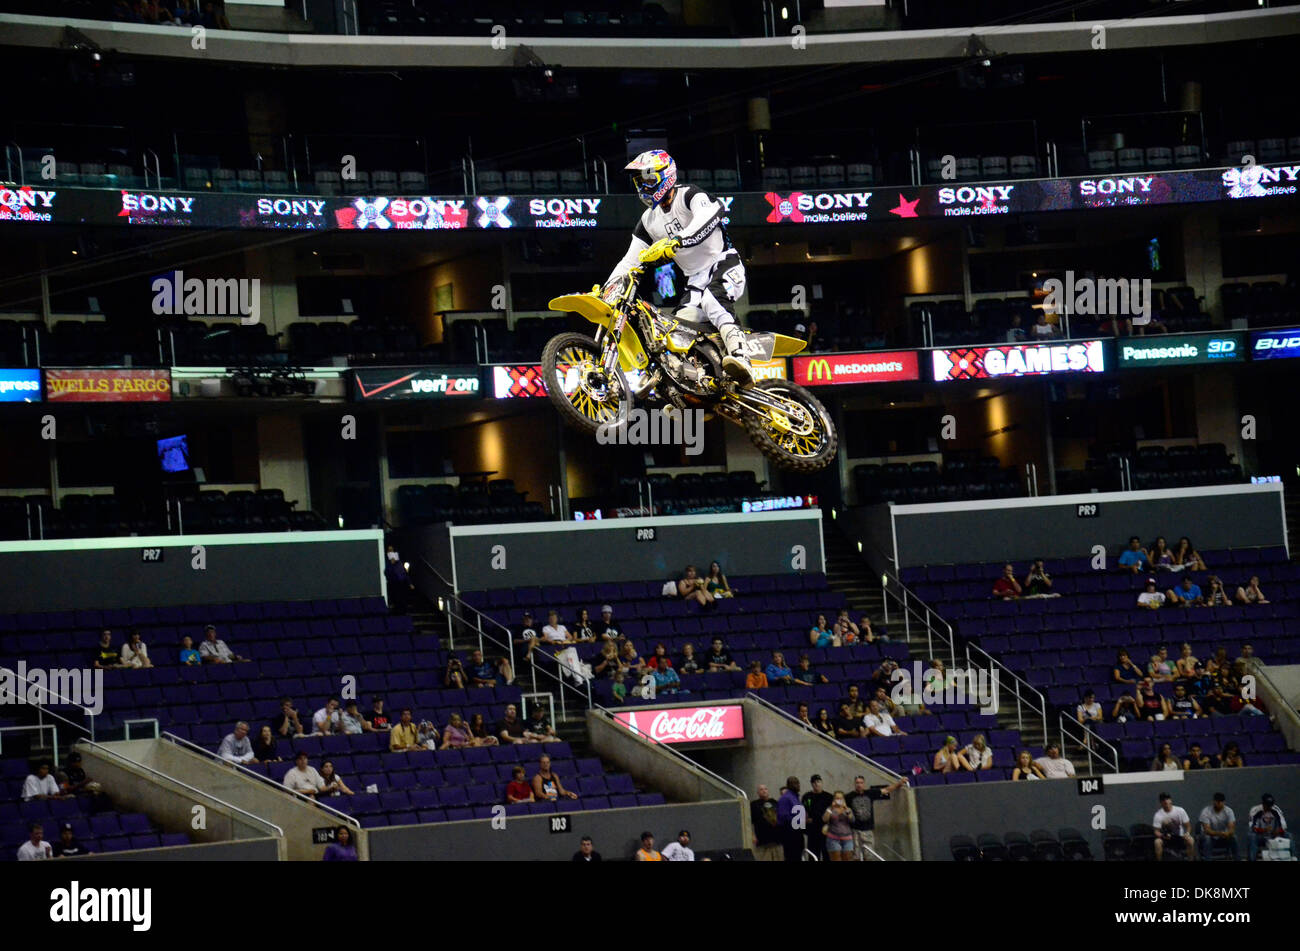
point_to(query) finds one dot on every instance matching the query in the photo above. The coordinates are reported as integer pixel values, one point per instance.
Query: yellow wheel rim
(575, 369)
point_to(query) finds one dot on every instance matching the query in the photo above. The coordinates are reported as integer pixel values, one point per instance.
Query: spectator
(694, 588)
(1165, 759)
(767, 828)
(949, 759)
(1125, 671)
(185, 12)
(688, 663)
(478, 732)
(680, 851)
(804, 673)
(715, 582)
(189, 656)
(647, 851)
(887, 704)
(1015, 333)
(1038, 583)
(821, 634)
(803, 715)
(427, 736)
(378, 718)
(510, 729)
(1150, 598)
(1217, 703)
(1026, 768)
(1054, 765)
(134, 652)
(75, 782)
(303, 778)
(977, 754)
(838, 819)
(755, 679)
(1007, 587)
(605, 628)
(1042, 330)
(1218, 827)
(1186, 555)
(265, 747)
(353, 722)
(659, 657)
(878, 722)
(777, 672)
(815, 803)
(487, 673)
(1186, 667)
(286, 722)
(607, 663)
(1159, 668)
(824, 724)
(1220, 668)
(326, 720)
(1251, 593)
(1173, 828)
(1247, 655)
(861, 803)
(538, 729)
(666, 679)
(1217, 597)
(400, 585)
(214, 16)
(857, 706)
(526, 632)
(236, 748)
(1150, 705)
(405, 736)
(1265, 822)
(619, 690)
(1089, 712)
(582, 626)
(456, 736)
(719, 658)
(586, 851)
(866, 635)
(1183, 707)
(630, 661)
(518, 789)
(1196, 759)
(455, 676)
(35, 848)
(556, 633)
(546, 784)
(1231, 757)
(1135, 558)
(68, 845)
(106, 655)
(213, 650)
(41, 785)
(342, 848)
(1160, 557)
(791, 818)
(845, 632)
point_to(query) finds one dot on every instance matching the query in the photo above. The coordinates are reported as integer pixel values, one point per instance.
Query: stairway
(1292, 504)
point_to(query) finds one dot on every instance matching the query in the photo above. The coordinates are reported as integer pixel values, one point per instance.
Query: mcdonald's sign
(875, 367)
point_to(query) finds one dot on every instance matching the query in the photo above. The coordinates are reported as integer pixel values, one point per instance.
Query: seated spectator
(303, 778)
(1247, 655)
(630, 661)
(855, 702)
(405, 736)
(1251, 593)
(1165, 759)
(265, 747)
(1015, 332)
(949, 759)
(556, 635)
(214, 16)
(824, 724)
(427, 736)
(666, 679)
(777, 672)
(68, 844)
(1089, 712)
(1218, 702)
(1195, 759)
(342, 849)
(583, 630)
(35, 848)
(1231, 757)
(455, 675)
(1173, 829)
(510, 729)
(213, 650)
(977, 754)
(1159, 667)
(1125, 671)
(486, 673)
(1150, 705)
(802, 715)
(847, 726)
(134, 652)
(526, 631)
(1217, 597)
(378, 718)
(1007, 587)
(647, 851)
(478, 732)
(1038, 583)
(887, 704)
(755, 679)
(1265, 822)
(518, 790)
(1160, 557)
(719, 658)
(821, 634)
(326, 720)
(1134, 559)
(538, 729)
(106, 655)
(353, 722)
(189, 656)
(1150, 598)
(586, 851)
(546, 784)
(680, 851)
(286, 723)
(659, 657)
(1042, 330)
(1183, 707)
(804, 673)
(715, 582)
(844, 631)
(693, 588)
(866, 634)
(688, 663)
(1053, 764)
(878, 722)
(1186, 555)
(41, 785)
(620, 689)
(456, 736)
(1026, 768)
(607, 663)
(74, 782)
(1188, 664)
(605, 629)
(1218, 825)
(236, 747)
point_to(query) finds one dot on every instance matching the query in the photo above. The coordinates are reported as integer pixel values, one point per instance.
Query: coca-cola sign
(687, 724)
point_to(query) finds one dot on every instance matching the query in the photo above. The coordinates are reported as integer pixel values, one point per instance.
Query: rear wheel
(802, 438)
(577, 384)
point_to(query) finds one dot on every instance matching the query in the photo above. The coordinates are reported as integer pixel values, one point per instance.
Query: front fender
(631, 355)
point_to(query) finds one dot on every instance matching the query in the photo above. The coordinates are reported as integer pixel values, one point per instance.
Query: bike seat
(686, 322)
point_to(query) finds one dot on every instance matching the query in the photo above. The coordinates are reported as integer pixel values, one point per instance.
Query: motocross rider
(685, 223)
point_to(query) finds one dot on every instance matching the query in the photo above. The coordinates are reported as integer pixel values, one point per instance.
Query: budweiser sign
(687, 724)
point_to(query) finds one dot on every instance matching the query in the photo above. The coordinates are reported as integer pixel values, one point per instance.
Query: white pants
(707, 290)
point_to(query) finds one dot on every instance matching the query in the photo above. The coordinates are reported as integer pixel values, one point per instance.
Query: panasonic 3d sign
(1180, 350)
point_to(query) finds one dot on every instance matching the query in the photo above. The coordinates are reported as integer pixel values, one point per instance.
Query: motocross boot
(735, 360)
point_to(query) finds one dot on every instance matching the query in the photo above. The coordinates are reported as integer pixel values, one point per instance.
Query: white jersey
(695, 217)
(1173, 822)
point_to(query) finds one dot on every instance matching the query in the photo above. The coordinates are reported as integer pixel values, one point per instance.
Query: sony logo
(1115, 186)
(968, 194)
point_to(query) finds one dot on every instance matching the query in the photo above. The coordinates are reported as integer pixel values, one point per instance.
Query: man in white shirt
(41, 785)
(213, 650)
(326, 720)
(236, 748)
(1151, 598)
(878, 722)
(35, 848)
(1173, 828)
(556, 633)
(303, 778)
(679, 851)
(1054, 765)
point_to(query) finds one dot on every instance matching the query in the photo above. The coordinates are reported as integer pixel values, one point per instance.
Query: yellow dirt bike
(641, 354)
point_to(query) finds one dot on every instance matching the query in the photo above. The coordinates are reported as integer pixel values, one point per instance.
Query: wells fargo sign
(108, 386)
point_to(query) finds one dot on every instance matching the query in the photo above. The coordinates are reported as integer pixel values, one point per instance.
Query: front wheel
(576, 382)
(803, 439)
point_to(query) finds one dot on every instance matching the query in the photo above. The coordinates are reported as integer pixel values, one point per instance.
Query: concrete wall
(281, 458)
(99, 573)
(245, 850)
(975, 808)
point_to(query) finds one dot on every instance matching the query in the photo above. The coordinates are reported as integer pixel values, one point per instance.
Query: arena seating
(468, 504)
(962, 477)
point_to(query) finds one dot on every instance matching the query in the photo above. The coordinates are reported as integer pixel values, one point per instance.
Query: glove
(663, 248)
(595, 290)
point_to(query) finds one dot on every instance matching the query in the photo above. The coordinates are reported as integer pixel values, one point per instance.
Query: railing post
(884, 596)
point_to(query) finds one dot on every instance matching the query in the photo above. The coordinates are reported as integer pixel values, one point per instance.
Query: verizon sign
(687, 724)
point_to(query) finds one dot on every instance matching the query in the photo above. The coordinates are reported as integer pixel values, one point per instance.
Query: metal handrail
(279, 787)
(1089, 736)
(9, 172)
(830, 739)
(41, 711)
(54, 732)
(906, 599)
(113, 754)
(1020, 683)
